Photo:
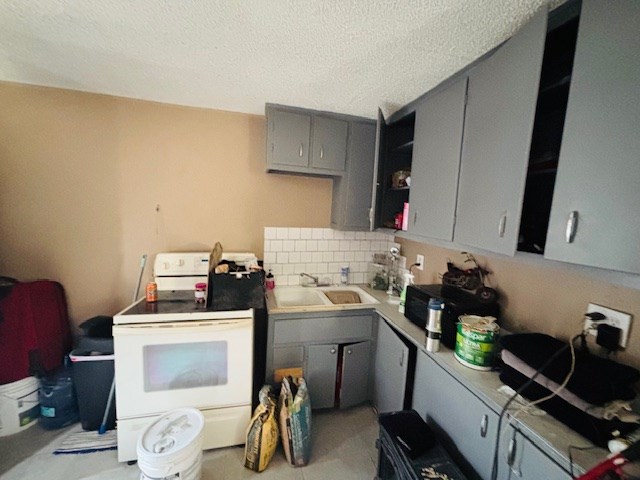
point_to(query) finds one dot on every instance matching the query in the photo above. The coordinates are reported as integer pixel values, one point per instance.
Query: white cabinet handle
(333, 350)
(484, 423)
(572, 226)
(502, 224)
(349, 352)
(321, 152)
(301, 151)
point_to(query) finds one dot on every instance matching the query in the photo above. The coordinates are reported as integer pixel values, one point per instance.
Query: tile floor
(343, 448)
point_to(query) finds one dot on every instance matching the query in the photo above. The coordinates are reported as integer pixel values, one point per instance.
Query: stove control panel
(177, 264)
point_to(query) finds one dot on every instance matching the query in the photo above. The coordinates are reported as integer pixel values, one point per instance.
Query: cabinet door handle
(415, 217)
(502, 224)
(572, 226)
(333, 350)
(484, 423)
(402, 358)
(301, 150)
(349, 352)
(511, 452)
(321, 152)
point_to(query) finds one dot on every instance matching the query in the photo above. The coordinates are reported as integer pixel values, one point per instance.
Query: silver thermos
(434, 324)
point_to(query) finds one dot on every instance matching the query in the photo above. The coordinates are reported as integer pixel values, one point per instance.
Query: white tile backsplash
(320, 252)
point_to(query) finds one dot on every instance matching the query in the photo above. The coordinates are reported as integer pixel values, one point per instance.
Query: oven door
(202, 364)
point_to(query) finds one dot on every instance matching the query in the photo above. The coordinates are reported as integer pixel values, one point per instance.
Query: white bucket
(19, 407)
(171, 446)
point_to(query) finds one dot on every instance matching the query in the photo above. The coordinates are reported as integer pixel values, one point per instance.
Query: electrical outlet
(613, 317)
(420, 262)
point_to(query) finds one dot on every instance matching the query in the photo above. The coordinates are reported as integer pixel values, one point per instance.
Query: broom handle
(143, 262)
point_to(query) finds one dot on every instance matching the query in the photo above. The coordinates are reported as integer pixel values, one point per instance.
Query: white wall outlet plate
(420, 262)
(614, 318)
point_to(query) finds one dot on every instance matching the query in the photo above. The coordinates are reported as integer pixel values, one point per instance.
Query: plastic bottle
(434, 325)
(344, 275)
(270, 281)
(408, 280)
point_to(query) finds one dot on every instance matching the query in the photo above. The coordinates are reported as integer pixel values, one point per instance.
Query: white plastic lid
(168, 436)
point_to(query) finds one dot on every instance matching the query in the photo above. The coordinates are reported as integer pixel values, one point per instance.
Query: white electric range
(177, 353)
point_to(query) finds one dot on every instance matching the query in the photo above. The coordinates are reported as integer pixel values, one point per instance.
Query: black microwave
(456, 302)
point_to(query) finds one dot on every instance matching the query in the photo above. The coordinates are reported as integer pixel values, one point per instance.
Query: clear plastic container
(378, 278)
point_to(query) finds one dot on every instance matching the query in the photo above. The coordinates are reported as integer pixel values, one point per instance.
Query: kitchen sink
(321, 296)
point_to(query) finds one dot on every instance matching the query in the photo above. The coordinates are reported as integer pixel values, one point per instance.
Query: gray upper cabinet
(329, 143)
(289, 138)
(305, 141)
(594, 218)
(436, 162)
(351, 199)
(500, 111)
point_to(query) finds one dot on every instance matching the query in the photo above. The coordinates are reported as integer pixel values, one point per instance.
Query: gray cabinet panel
(599, 169)
(436, 162)
(352, 192)
(448, 405)
(391, 365)
(329, 143)
(376, 192)
(302, 330)
(521, 459)
(287, 357)
(320, 374)
(501, 104)
(354, 388)
(289, 138)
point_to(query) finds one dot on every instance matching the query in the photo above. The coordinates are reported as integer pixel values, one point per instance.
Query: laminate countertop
(551, 436)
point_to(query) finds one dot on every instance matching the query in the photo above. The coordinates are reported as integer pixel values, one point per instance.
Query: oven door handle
(182, 327)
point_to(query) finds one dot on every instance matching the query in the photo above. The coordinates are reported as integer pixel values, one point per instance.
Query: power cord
(494, 466)
(582, 449)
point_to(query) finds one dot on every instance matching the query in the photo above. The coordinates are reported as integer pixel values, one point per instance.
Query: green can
(476, 341)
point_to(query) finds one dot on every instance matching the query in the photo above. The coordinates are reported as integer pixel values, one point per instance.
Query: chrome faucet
(314, 279)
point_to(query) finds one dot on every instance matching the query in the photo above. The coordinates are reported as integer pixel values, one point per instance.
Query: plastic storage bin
(93, 375)
(58, 406)
(19, 408)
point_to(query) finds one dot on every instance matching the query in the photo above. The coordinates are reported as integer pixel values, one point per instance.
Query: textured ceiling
(348, 56)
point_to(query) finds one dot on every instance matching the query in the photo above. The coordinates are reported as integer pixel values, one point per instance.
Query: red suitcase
(34, 330)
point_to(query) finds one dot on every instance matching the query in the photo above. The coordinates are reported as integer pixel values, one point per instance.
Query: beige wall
(81, 176)
(538, 296)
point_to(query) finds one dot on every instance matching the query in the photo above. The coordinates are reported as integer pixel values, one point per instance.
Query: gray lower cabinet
(351, 199)
(467, 424)
(436, 162)
(333, 349)
(469, 427)
(320, 374)
(500, 111)
(594, 217)
(390, 371)
(330, 365)
(520, 458)
(305, 141)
